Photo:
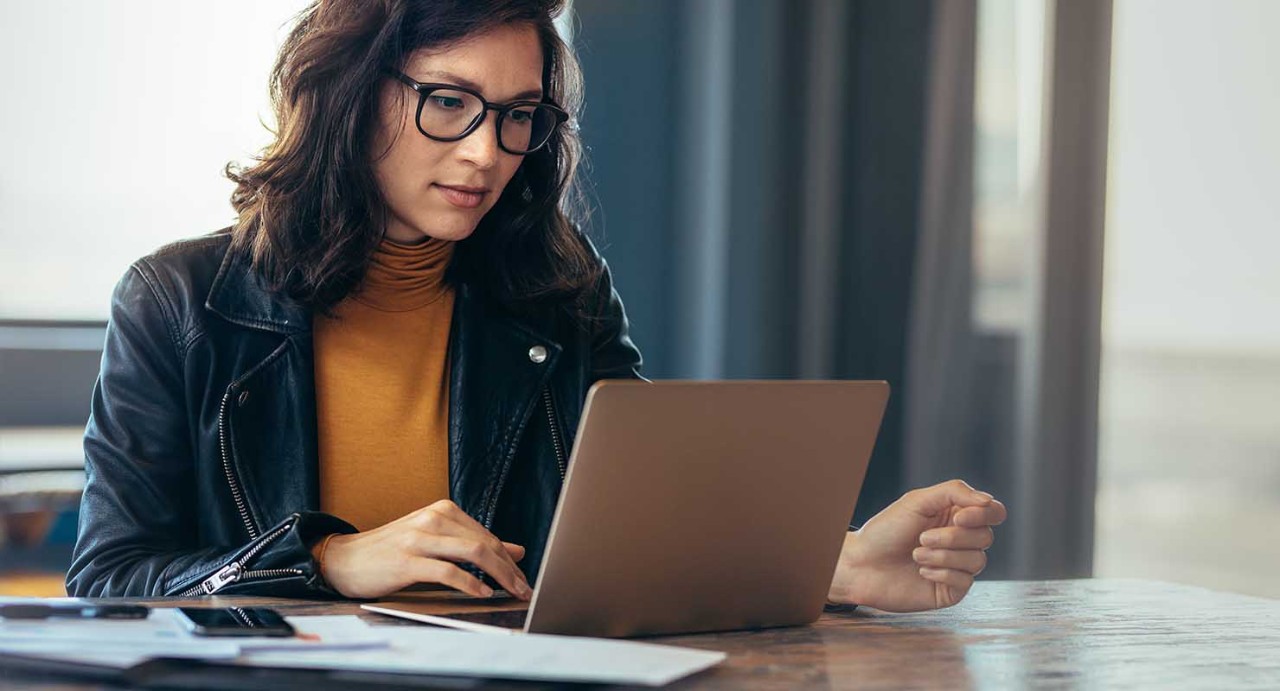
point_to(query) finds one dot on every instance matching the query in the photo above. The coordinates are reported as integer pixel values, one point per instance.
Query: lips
(462, 196)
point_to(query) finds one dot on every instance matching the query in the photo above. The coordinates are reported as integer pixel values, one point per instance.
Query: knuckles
(430, 521)
(445, 507)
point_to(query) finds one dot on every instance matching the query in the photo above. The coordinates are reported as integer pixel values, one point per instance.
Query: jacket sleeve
(613, 354)
(137, 534)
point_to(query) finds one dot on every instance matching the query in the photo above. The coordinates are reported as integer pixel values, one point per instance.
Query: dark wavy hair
(310, 211)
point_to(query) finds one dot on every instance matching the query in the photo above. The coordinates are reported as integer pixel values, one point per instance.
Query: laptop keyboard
(510, 619)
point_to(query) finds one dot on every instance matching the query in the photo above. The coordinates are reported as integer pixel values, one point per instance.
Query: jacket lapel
(271, 416)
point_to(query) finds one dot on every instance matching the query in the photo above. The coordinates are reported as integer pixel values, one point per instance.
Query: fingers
(959, 580)
(423, 570)
(970, 561)
(425, 546)
(515, 551)
(955, 537)
(450, 533)
(495, 562)
(979, 516)
(446, 518)
(931, 501)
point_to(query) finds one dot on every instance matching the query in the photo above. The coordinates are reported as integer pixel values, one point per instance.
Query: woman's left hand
(920, 553)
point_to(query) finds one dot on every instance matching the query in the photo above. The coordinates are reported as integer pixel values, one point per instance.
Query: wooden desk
(1055, 634)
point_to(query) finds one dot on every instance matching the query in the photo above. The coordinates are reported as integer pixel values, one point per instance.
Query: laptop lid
(705, 506)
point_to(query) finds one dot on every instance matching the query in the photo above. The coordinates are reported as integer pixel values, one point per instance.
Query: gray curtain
(941, 344)
(757, 168)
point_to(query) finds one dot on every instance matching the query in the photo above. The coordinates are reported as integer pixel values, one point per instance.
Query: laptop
(692, 507)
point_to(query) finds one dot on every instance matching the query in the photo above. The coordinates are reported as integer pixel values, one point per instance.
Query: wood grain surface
(1081, 634)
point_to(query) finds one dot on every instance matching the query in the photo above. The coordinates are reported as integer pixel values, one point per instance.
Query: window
(118, 120)
(1189, 457)
(1007, 171)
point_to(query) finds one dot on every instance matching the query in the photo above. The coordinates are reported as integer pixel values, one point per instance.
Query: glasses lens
(447, 113)
(526, 128)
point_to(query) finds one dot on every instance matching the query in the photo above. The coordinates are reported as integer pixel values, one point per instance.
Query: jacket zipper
(235, 571)
(227, 468)
(555, 431)
(502, 479)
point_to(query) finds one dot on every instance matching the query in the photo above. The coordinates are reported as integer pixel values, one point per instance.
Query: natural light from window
(118, 120)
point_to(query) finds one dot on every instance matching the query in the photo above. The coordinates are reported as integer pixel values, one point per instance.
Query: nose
(480, 148)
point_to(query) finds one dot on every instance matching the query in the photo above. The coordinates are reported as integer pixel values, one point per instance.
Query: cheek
(390, 146)
(406, 170)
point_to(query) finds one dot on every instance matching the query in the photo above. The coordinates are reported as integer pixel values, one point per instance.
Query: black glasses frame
(424, 90)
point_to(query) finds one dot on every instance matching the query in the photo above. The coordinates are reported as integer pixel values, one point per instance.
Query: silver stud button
(538, 354)
(243, 398)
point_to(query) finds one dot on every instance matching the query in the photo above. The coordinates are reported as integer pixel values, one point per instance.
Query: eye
(446, 102)
(521, 117)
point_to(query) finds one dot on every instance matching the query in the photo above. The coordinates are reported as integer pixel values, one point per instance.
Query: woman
(371, 380)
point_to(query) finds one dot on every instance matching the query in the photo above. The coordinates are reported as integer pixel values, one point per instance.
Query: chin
(456, 235)
(452, 232)
(454, 224)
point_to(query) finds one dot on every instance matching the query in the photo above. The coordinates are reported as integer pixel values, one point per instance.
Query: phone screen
(236, 621)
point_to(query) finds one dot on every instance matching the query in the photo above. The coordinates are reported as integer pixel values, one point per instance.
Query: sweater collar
(402, 278)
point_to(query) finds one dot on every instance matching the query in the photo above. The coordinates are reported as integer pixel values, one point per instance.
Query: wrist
(329, 562)
(844, 585)
(319, 549)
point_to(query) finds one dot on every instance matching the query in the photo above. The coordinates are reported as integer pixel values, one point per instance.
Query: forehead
(502, 62)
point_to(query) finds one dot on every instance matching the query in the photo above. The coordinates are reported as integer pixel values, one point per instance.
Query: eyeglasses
(448, 113)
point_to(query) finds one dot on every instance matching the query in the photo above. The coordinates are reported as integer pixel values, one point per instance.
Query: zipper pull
(225, 576)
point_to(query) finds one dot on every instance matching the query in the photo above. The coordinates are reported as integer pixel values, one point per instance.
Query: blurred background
(1051, 225)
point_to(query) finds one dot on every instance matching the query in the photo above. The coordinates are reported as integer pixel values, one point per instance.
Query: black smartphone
(235, 621)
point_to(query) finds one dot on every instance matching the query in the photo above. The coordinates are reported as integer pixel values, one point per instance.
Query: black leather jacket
(201, 445)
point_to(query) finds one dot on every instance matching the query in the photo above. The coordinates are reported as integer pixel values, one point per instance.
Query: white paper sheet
(416, 650)
(346, 642)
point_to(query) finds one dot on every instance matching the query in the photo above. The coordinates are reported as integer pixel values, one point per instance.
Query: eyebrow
(530, 94)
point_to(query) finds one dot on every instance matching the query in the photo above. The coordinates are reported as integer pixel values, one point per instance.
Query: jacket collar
(239, 296)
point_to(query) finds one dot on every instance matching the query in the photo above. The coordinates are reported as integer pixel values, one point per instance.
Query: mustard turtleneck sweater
(382, 388)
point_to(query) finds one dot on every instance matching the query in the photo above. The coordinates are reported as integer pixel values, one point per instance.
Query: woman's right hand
(425, 546)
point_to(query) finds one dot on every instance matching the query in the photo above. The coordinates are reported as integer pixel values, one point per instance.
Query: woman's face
(442, 189)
